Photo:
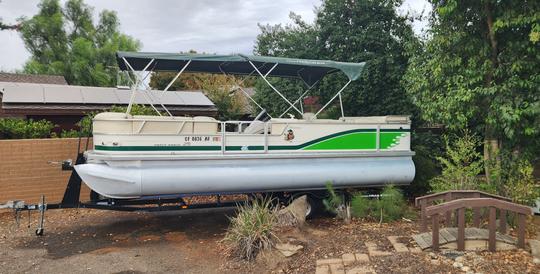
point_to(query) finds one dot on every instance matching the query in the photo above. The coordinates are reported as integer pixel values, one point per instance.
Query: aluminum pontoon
(137, 156)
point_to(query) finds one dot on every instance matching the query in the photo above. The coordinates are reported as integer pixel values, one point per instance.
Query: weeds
(251, 230)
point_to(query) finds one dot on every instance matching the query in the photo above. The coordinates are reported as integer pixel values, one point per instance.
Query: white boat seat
(256, 127)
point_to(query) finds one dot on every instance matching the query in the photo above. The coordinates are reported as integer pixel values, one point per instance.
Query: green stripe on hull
(347, 140)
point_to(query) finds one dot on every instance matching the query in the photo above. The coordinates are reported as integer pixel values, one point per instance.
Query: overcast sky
(179, 25)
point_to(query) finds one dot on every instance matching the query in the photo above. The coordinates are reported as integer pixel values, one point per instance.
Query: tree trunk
(491, 142)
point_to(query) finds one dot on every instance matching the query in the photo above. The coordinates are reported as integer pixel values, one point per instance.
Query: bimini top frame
(309, 71)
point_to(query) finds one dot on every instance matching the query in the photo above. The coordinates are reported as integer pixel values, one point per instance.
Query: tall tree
(66, 41)
(480, 70)
(349, 31)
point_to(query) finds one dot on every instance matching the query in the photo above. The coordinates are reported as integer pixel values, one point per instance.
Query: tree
(480, 71)
(349, 31)
(66, 41)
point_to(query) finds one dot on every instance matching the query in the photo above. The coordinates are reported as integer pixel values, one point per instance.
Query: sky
(213, 26)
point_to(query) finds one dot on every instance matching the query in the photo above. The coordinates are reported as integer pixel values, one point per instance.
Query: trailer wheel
(39, 232)
(315, 207)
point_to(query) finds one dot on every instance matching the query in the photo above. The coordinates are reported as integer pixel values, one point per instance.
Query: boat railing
(231, 133)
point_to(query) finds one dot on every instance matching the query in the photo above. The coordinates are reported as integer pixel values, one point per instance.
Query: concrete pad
(360, 270)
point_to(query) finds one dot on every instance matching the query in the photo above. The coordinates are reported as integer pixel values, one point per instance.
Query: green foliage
(135, 110)
(392, 205)
(345, 31)
(66, 41)
(334, 201)
(251, 230)
(461, 164)
(479, 70)
(12, 128)
(389, 207)
(361, 206)
(513, 177)
(427, 147)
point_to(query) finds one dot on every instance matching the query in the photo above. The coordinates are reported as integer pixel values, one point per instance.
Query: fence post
(448, 198)
(461, 229)
(435, 233)
(476, 213)
(423, 217)
(492, 227)
(521, 230)
(502, 221)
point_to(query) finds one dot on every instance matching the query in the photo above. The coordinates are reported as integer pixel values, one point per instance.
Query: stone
(535, 248)
(459, 259)
(348, 259)
(457, 265)
(288, 249)
(362, 257)
(360, 270)
(294, 214)
(374, 251)
(415, 249)
(322, 269)
(536, 261)
(329, 261)
(465, 269)
(432, 255)
(435, 262)
(337, 269)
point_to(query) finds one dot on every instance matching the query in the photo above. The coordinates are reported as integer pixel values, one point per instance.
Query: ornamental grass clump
(251, 230)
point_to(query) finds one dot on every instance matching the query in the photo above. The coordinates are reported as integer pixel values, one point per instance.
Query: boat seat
(256, 127)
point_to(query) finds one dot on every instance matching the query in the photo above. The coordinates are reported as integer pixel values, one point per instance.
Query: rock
(536, 261)
(435, 262)
(535, 248)
(459, 259)
(288, 249)
(294, 214)
(432, 255)
(322, 269)
(457, 265)
(362, 257)
(465, 269)
(348, 259)
(329, 261)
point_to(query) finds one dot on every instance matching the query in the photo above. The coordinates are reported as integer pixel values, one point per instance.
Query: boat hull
(136, 178)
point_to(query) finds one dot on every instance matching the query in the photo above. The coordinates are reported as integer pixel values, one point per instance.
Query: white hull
(136, 178)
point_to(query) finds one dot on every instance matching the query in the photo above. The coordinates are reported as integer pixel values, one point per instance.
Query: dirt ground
(91, 241)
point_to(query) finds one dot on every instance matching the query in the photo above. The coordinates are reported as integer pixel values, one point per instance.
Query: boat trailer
(71, 199)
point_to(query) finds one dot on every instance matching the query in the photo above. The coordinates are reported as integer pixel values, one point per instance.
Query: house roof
(32, 78)
(25, 98)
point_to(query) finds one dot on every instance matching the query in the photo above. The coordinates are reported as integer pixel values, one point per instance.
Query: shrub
(251, 230)
(13, 128)
(361, 206)
(461, 164)
(335, 204)
(516, 180)
(390, 206)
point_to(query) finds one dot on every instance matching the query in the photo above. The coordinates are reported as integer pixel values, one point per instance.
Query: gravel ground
(90, 241)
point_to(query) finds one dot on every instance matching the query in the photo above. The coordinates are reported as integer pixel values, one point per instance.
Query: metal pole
(337, 94)
(271, 86)
(134, 89)
(341, 105)
(147, 97)
(176, 77)
(299, 98)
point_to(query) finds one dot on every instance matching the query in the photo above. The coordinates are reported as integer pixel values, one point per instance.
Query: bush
(514, 179)
(390, 206)
(461, 164)
(252, 229)
(13, 128)
(335, 204)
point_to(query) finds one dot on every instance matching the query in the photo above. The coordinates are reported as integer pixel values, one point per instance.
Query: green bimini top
(310, 71)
